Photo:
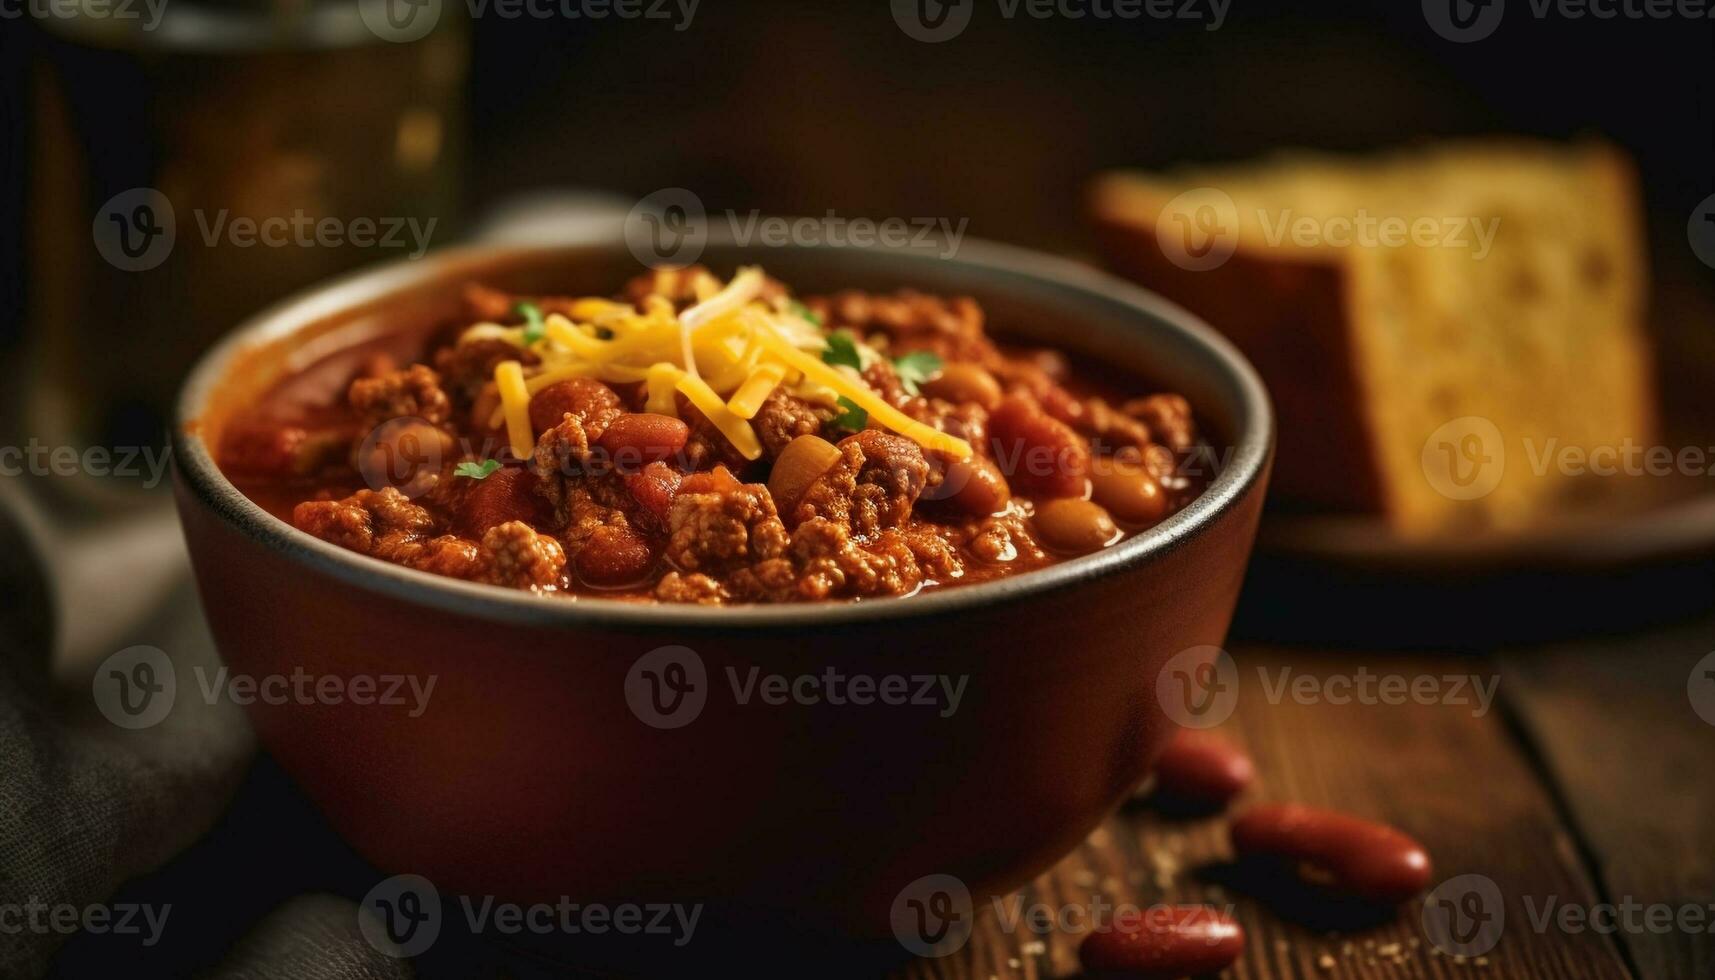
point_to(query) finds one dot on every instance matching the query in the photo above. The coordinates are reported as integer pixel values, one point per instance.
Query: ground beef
(952, 328)
(469, 365)
(726, 542)
(874, 485)
(1002, 538)
(832, 564)
(784, 417)
(707, 447)
(413, 391)
(881, 376)
(696, 588)
(514, 554)
(968, 420)
(724, 528)
(448, 555)
(359, 521)
(564, 450)
(609, 536)
(497, 306)
(1169, 420)
(384, 524)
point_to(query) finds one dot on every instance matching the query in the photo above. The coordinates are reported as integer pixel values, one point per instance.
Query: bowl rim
(193, 462)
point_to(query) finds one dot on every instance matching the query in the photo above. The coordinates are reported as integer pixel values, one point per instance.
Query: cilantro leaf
(804, 312)
(477, 471)
(853, 418)
(533, 326)
(916, 368)
(842, 349)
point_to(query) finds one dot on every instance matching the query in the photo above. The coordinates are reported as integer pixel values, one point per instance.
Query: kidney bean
(1369, 860)
(614, 556)
(632, 440)
(507, 494)
(1041, 455)
(1202, 769)
(653, 487)
(1164, 943)
(584, 397)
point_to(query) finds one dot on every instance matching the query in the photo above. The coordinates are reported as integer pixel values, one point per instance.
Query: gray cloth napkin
(87, 805)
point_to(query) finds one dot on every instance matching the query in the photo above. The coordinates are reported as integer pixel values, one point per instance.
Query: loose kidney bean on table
(1201, 769)
(1164, 943)
(1368, 860)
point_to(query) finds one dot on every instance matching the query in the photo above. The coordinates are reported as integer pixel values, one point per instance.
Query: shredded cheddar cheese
(515, 403)
(861, 396)
(725, 354)
(748, 399)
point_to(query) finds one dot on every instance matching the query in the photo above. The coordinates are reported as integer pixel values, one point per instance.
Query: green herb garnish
(916, 368)
(533, 326)
(477, 471)
(804, 312)
(853, 418)
(842, 350)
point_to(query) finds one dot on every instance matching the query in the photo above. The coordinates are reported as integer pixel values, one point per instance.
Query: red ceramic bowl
(529, 776)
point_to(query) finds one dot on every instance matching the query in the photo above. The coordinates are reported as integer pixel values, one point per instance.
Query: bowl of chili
(786, 699)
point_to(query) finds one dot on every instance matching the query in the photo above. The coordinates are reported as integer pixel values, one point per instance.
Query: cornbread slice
(1435, 325)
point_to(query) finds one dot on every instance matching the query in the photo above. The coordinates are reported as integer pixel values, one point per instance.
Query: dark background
(801, 108)
(797, 108)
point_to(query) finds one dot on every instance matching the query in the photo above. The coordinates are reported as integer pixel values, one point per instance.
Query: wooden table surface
(1587, 781)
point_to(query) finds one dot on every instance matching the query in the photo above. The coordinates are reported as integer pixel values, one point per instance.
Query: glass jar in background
(188, 172)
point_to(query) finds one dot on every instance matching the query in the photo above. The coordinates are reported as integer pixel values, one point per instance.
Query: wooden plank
(1448, 774)
(1615, 725)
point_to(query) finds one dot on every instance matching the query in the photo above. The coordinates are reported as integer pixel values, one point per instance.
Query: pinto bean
(1201, 770)
(631, 440)
(1041, 455)
(976, 486)
(614, 556)
(1163, 943)
(962, 381)
(1074, 525)
(1128, 491)
(584, 397)
(1369, 860)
